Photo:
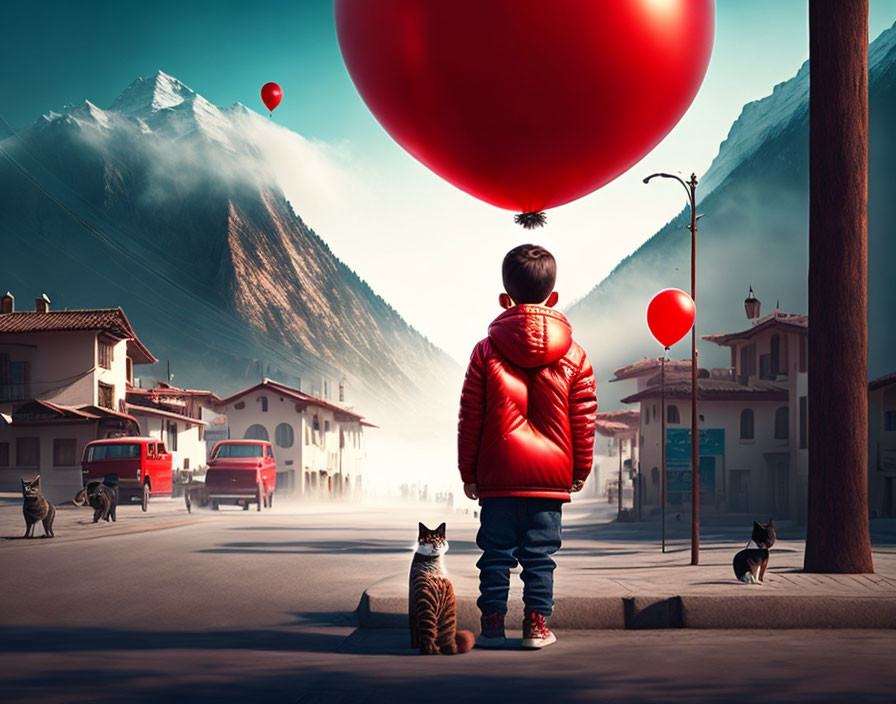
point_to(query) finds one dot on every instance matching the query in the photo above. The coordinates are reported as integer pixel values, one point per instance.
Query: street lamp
(691, 188)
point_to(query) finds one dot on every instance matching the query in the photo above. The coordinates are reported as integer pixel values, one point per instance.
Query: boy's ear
(552, 300)
(505, 301)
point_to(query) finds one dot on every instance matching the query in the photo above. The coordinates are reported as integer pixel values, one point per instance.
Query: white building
(882, 446)
(319, 446)
(64, 377)
(174, 416)
(751, 419)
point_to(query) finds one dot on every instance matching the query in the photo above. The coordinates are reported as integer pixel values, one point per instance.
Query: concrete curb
(759, 611)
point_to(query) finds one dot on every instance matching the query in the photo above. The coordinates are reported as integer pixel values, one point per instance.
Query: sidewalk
(614, 575)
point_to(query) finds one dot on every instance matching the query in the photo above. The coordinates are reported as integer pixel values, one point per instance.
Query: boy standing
(525, 440)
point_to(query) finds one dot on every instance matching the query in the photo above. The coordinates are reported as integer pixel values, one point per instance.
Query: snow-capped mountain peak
(788, 102)
(146, 96)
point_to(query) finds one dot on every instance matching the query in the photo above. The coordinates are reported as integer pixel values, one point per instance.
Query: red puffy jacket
(527, 408)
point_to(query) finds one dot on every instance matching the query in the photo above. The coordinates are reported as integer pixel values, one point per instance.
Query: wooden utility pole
(837, 538)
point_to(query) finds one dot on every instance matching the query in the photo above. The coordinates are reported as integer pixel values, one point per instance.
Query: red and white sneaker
(536, 633)
(492, 634)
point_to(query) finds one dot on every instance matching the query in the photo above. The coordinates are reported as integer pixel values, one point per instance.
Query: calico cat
(37, 508)
(748, 561)
(432, 609)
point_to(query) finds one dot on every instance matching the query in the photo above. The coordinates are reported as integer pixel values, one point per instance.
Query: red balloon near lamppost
(670, 315)
(271, 95)
(525, 104)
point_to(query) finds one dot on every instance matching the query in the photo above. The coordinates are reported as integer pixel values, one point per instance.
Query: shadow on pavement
(61, 640)
(299, 547)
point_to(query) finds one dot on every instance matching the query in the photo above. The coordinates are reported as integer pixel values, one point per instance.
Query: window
(28, 452)
(803, 421)
(105, 395)
(14, 377)
(672, 415)
(161, 448)
(315, 427)
(284, 435)
(104, 355)
(129, 368)
(804, 353)
(269, 451)
(654, 411)
(4, 454)
(746, 424)
(63, 452)
(172, 436)
(647, 417)
(341, 392)
(150, 451)
(307, 435)
(889, 421)
(782, 423)
(239, 450)
(775, 355)
(747, 363)
(655, 475)
(256, 432)
(264, 404)
(114, 451)
(326, 426)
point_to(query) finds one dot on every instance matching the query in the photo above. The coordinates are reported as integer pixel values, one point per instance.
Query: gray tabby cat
(37, 508)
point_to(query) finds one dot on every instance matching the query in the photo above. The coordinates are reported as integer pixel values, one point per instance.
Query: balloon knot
(530, 220)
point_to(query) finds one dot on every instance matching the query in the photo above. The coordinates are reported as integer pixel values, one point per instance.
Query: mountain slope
(164, 204)
(754, 198)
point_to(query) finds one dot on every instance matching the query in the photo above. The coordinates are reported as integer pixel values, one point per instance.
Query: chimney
(751, 306)
(8, 303)
(42, 304)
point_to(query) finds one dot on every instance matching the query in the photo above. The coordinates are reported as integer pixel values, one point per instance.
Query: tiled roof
(715, 389)
(278, 388)
(779, 319)
(109, 320)
(882, 381)
(617, 423)
(647, 366)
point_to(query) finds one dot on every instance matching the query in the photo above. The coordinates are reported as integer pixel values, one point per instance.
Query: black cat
(103, 497)
(37, 508)
(747, 562)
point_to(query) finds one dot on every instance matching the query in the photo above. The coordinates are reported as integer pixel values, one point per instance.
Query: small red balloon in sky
(271, 95)
(527, 104)
(670, 314)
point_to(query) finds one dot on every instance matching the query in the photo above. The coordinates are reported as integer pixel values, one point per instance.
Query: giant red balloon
(670, 314)
(271, 95)
(527, 104)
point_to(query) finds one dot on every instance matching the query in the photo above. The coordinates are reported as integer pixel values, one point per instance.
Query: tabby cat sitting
(432, 608)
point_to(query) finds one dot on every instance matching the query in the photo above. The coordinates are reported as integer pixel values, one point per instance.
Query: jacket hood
(530, 335)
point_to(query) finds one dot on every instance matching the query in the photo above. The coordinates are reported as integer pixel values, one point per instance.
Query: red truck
(241, 472)
(143, 466)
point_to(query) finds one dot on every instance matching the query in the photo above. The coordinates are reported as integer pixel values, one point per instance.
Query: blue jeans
(518, 530)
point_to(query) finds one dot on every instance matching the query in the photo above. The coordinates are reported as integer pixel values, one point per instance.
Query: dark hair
(529, 273)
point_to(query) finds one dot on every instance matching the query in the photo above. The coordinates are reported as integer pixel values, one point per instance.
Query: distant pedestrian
(525, 441)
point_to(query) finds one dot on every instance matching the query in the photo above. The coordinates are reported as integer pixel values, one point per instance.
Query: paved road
(233, 605)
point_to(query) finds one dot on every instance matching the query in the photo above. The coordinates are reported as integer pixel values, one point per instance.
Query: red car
(143, 466)
(241, 472)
